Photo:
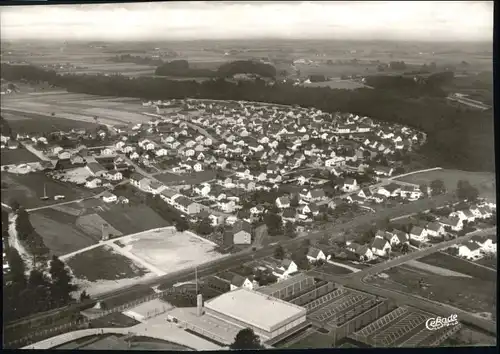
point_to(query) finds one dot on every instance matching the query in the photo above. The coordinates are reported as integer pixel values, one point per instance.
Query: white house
(469, 250)
(241, 282)
(455, 223)
(283, 202)
(418, 234)
(315, 255)
(108, 197)
(350, 185)
(380, 247)
(114, 175)
(435, 229)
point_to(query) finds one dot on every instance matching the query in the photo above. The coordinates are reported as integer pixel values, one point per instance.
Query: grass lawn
(27, 189)
(129, 219)
(101, 263)
(314, 340)
(187, 178)
(17, 156)
(444, 260)
(483, 181)
(114, 319)
(146, 343)
(334, 269)
(490, 262)
(472, 294)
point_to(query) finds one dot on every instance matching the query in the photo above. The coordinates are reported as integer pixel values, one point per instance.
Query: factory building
(268, 316)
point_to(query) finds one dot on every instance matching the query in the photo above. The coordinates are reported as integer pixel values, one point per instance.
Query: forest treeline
(457, 137)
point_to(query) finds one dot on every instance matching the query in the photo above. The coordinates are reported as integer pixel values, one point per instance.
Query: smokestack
(199, 305)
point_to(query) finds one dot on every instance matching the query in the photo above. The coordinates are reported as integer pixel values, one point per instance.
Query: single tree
(437, 187)
(274, 223)
(17, 268)
(465, 191)
(61, 286)
(279, 252)
(246, 339)
(181, 225)
(205, 227)
(290, 230)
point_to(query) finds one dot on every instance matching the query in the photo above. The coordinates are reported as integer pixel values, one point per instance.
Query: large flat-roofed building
(267, 316)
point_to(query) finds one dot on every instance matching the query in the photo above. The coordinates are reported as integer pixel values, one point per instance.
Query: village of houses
(202, 158)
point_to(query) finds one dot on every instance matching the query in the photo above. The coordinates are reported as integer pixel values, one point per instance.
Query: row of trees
(27, 234)
(457, 136)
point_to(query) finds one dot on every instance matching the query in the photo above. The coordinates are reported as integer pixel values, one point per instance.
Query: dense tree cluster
(246, 67)
(318, 78)
(5, 128)
(465, 191)
(24, 296)
(181, 68)
(457, 137)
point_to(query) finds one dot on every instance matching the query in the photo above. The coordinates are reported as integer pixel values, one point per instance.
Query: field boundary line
(415, 172)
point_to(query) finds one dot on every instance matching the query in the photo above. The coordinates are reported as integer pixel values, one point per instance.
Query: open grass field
(444, 260)
(101, 269)
(483, 181)
(59, 231)
(188, 178)
(27, 189)
(33, 123)
(473, 294)
(169, 250)
(469, 337)
(17, 156)
(114, 319)
(129, 219)
(490, 262)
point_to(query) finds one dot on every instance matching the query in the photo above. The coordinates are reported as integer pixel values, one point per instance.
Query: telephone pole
(196, 278)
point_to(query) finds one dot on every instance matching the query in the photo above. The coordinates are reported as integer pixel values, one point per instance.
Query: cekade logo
(433, 324)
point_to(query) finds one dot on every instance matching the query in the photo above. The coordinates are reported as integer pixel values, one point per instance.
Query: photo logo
(433, 324)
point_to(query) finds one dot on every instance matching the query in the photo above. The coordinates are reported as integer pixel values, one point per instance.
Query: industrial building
(289, 288)
(268, 316)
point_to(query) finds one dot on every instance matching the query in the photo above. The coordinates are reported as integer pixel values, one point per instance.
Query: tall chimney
(199, 305)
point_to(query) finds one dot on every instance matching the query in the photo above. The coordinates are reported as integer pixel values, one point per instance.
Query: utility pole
(196, 278)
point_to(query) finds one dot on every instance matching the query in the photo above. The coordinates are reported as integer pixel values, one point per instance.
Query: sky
(370, 20)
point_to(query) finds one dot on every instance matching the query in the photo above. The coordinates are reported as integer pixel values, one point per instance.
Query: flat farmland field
(31, 123)
(17, 156)
(337, 84)
(483, 181)
(169, 250)
(59, 231)
(103, 269)
(76, 107)
(27, 189)
(470, 294)
(444, 260)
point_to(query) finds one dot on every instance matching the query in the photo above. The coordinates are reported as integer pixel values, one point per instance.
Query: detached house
(242, 233)
(283, 202)
(350, 185)
(315, 255)
(95, 169)
(435, 229)
(455, 223)
(469, 250)
(241, 282)
(108, 197)
(418, 234)
(380, 247)
(186, 205)
(361, 253)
